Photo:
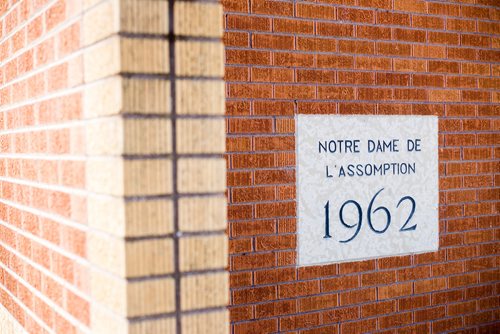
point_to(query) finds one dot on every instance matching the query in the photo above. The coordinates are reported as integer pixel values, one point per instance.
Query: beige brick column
(199, 168)
(155, 137)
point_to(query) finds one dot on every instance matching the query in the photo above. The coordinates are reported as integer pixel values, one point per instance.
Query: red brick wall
(43, 268)
(362, 57)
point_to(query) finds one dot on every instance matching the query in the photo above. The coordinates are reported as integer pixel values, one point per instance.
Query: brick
(397, 290)
(443, 38)
(395, 320)
(316, 76)
(298, 289)
(354, 267)
(340, 283)
(411, 303)
(268, 325)
(430, 285)
(333, 29)
(272, 75)
(336, 93)
(316, 44)
(462, 53)
(236, 39)
(389, 18)
(460, 25)
(447, 324)
(373, 32)
(356, 15)
(334, 61)
(272, 7)
(273, 42)
(204, 291)
(249, 23)
(299, 321)
(275, 242)
(253, 261)
(411, 6)
(409, 35)
(254, 228)
(410, 65)
(317, 302)
(425, 80)
(374, 94)
(341, 314)
(429, 51)
(273, 108)
(358, 326)
(428, 22)
(293, 26)
(379, 278)
(209, 321)
(240, 313)
(253, 90)
(235, 6)
(275, 275)
(357, 47)
(357, 296)
(314, 11)
(214, 248)
(367, 63)
(385, 307)
(444, 95)
(393, 49)
(275, 308)
(248, 57)
(293, 59)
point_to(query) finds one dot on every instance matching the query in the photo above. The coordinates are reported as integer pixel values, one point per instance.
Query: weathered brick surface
(407, 57)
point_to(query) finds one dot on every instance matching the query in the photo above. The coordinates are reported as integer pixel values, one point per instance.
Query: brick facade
(394, 57)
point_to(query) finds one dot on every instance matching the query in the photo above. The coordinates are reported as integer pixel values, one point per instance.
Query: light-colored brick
(200, 97)
(151, 96)
(121, 218)
(100, 22)
(107, 130)
(149, 217)
(197, 175)
(116, 95)
(103, 98)
(203, 252)
(199, 59)
(152, 326)
(150, 297)
(201, 135)
(147, 136)
(109, 291)
(125, 55)
(204, 291)
(107, 253)
(202, 213)
(209, 322)
(144, 56)
(116, 176)
(102, 60)
(103, 321)
(198, 19)
(149, 257)
(145, 16)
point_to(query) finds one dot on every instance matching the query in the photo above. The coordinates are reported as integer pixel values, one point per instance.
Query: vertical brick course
(361, 57)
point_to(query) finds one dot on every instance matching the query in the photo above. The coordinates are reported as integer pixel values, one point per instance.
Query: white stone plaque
(367, 187)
